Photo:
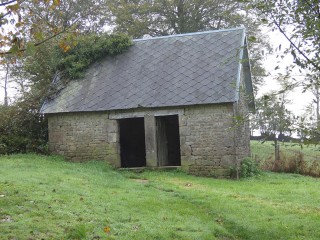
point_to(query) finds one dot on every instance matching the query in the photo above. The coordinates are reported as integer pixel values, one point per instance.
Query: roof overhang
(248, 77)
(245, 71)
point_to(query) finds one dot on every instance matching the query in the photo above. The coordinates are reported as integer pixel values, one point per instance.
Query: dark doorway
(132, 142)
(168, 140)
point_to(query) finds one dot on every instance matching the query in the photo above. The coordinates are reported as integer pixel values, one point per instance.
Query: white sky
(298, 99)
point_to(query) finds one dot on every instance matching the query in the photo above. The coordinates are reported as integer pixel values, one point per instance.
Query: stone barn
(177, 100)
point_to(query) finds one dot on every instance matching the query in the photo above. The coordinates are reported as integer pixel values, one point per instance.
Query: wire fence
(267, 150)
(287, 157)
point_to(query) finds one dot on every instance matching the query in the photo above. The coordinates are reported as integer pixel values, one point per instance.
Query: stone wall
(210, 143)
(84, 136)
(242, 128)
(207, 139)
(209, 171)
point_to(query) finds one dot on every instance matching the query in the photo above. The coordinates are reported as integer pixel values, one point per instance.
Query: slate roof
(177, 70)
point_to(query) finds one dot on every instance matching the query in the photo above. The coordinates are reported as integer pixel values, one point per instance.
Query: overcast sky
(298, 99)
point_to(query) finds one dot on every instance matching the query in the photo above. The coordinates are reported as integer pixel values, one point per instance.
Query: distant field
(47, 198)
(266, 150)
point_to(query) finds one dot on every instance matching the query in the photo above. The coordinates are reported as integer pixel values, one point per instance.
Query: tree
(6, 70)
(312, 84)
(298, 21)
(306, 127)
(22, 127)
(309, 123)
(34, 22)
(7, 80)
(165, 17)
(50, 37)
(28, 24)
(272, 119)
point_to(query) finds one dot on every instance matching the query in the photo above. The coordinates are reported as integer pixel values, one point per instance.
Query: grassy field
(266, 150)
(47, 198)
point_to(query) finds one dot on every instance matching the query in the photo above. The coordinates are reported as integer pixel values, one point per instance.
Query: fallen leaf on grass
(106, 229)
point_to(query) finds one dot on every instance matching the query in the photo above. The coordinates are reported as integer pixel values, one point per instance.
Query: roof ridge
(190, 34)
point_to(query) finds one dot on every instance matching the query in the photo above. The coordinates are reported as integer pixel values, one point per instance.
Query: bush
(293, 163)
(289, 163)
(89, 49)
(249, 168)
(22, 130)
(314, 170)
(22, 127)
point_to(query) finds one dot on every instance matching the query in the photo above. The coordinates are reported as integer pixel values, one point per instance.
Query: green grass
(266, 150)
(47, 198)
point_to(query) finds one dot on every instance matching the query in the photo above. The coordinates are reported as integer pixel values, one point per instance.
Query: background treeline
(49, 38)
(64, 37)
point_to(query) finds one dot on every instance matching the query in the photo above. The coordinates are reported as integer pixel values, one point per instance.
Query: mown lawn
(47, 198)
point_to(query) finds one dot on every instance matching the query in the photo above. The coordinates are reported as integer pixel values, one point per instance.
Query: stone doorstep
(151, 168)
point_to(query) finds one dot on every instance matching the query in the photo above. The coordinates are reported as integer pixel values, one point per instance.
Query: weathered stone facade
(84, 136)
(242, 128)
(207, 138)
(210, 142)
(168, 101)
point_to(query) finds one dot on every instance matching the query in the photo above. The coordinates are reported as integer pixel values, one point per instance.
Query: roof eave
(248, 78)
(244, 66)
(241, 52)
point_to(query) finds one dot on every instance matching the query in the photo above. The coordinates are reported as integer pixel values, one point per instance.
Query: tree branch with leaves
(298, 21)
